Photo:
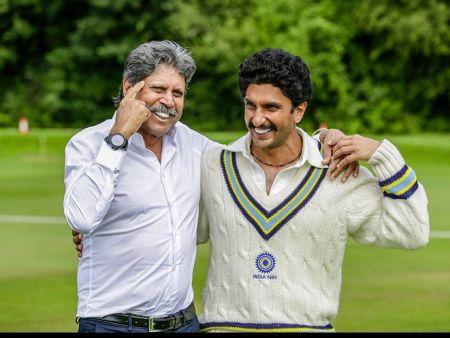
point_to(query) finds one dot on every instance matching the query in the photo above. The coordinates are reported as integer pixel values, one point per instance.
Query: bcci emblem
(265, 262)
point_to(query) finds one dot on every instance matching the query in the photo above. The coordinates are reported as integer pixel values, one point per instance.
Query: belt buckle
(151, 324)
(178, 322)
(170, 323)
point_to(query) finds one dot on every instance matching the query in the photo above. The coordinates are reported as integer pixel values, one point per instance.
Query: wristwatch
(117, 141)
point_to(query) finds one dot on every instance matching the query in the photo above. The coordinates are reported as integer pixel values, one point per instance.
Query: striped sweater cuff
(396, 179)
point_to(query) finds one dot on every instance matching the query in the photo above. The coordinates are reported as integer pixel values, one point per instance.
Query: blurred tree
(29, 29)
(398, 60)
(226, 32)
(377, 66)
(62, 60)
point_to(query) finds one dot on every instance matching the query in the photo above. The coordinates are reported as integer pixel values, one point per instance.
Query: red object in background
(23, 125)
(323, 125)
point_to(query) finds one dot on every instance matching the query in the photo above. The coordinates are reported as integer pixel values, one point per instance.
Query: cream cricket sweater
(276, 260)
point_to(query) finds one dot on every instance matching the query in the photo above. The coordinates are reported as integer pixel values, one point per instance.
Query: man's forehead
(166, 75)
(264, 93)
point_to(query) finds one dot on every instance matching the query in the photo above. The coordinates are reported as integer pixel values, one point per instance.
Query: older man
(278, 224)
(132, 188)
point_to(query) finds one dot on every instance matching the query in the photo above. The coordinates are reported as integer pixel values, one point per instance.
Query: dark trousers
(87, 325)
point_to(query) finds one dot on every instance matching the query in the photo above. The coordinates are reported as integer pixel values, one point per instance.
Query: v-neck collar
(268, 222)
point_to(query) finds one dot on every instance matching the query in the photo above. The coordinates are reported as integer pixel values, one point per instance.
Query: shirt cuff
(386, 160)
(110, 158)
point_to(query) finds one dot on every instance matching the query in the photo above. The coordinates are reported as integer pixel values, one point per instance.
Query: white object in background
(23, 125)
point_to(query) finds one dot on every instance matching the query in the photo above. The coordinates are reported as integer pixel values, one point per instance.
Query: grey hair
(145, 59)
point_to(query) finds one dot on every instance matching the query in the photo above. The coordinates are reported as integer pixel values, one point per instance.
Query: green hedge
(377, 66)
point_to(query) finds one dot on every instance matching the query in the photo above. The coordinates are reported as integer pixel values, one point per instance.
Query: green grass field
(383, 289)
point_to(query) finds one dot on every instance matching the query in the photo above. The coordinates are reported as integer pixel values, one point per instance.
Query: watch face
(117, 140)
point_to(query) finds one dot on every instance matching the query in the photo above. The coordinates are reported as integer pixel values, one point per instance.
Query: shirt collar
(310, 150)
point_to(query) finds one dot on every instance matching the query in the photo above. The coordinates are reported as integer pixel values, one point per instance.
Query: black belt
(171, 322)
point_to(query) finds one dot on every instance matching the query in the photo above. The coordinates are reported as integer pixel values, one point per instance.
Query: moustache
(250, 125)
(162, 109)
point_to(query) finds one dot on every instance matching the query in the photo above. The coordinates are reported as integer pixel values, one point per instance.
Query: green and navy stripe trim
(257, 327)
(400, 186)
(268, 222)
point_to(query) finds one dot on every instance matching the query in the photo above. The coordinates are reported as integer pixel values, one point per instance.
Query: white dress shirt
(309, 153)
(139, 220)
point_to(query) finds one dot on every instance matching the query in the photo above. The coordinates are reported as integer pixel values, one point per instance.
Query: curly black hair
(280, 69)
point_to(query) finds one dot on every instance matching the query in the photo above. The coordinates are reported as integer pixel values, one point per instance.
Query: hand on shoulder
(354, 148)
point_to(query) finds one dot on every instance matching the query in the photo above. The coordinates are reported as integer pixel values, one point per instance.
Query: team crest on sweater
(268, 222)
(265, 263)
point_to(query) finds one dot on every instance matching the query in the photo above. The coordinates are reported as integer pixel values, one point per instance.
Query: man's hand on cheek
(131, 113)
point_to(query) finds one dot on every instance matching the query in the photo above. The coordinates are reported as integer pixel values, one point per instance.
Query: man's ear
(299, 111)
(125, 86)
